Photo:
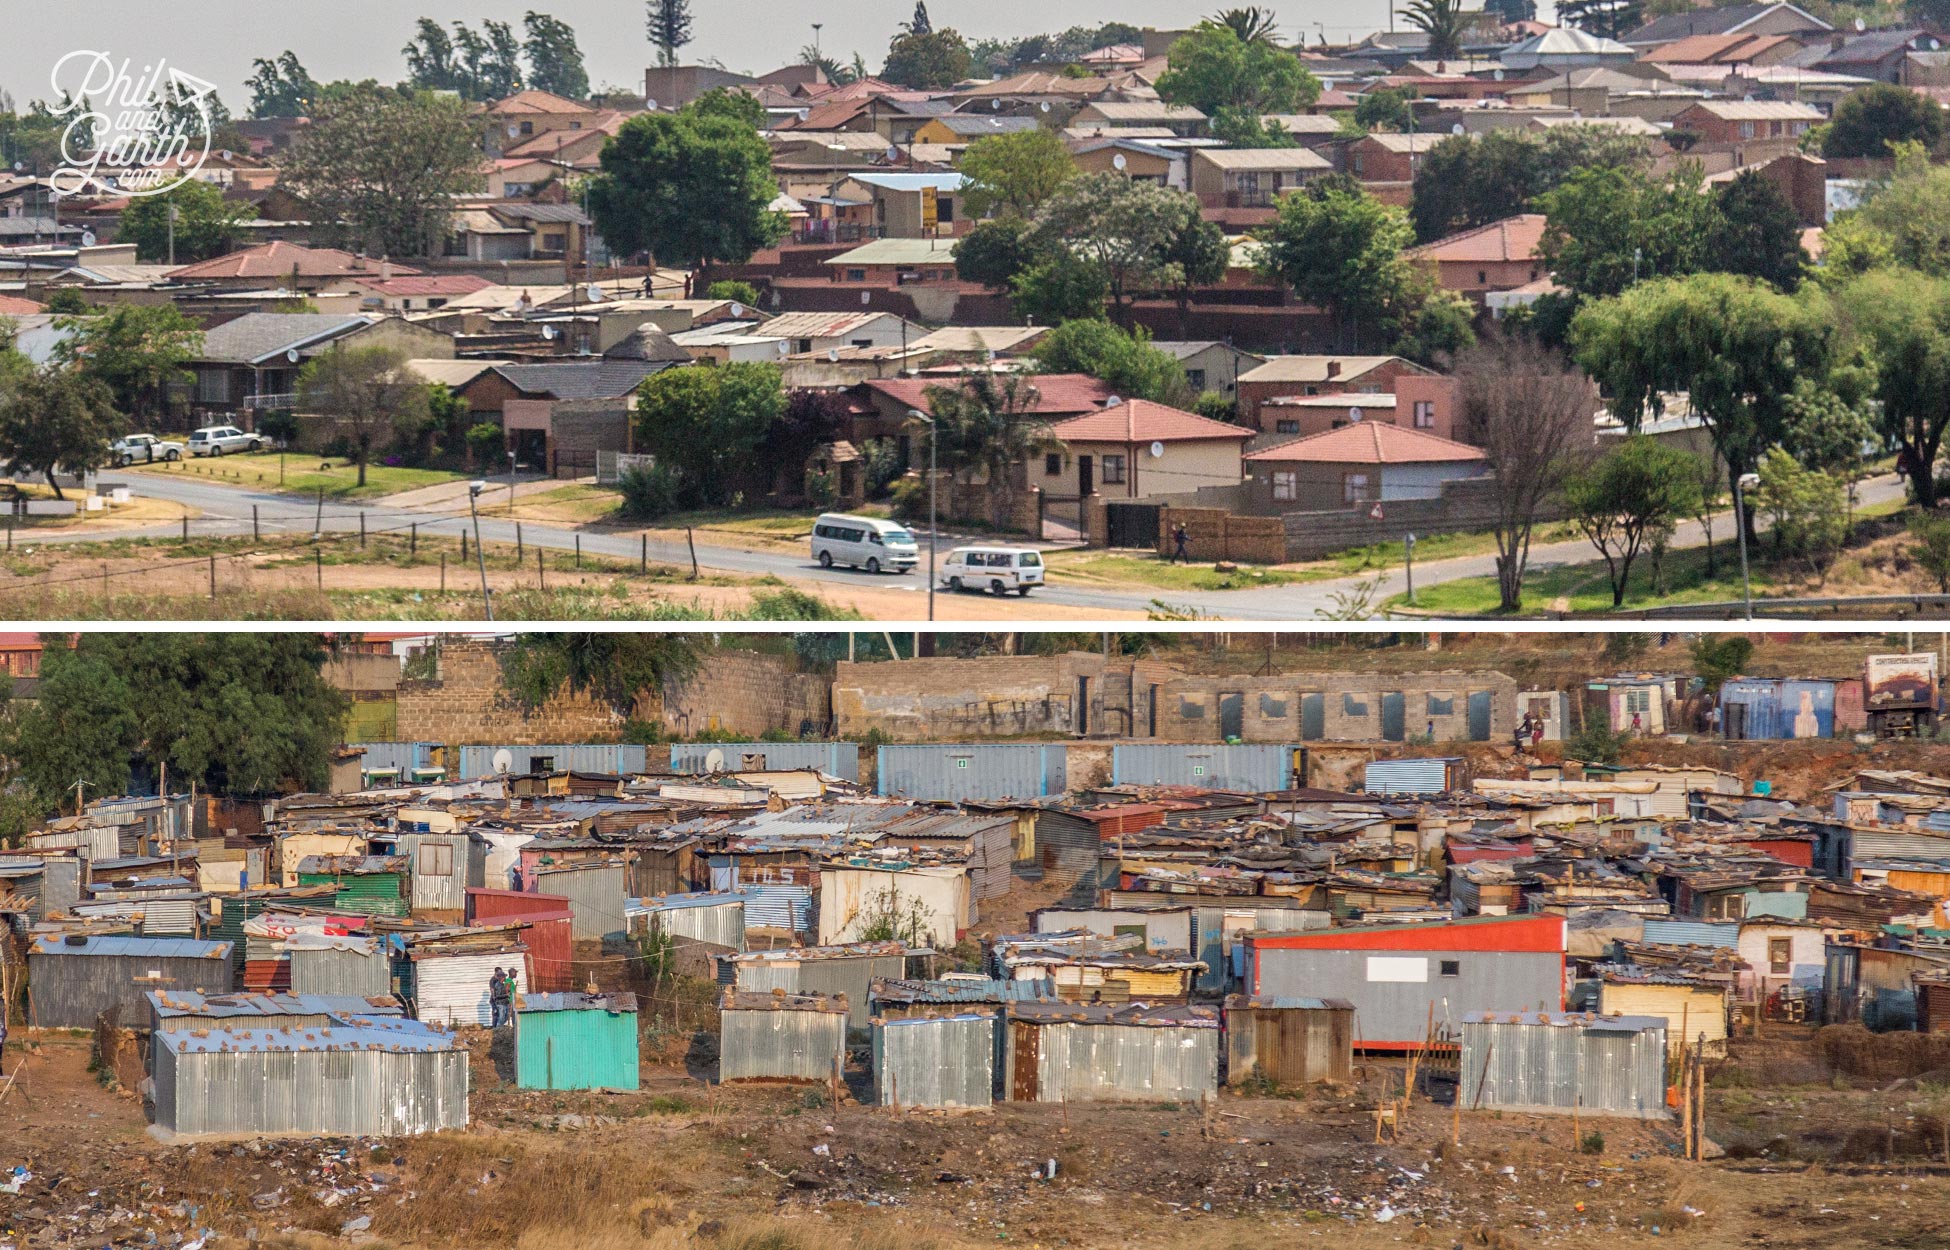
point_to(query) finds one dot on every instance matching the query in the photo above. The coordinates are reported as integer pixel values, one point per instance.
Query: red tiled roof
(1057, 394)
(550, 142)
(281, 258)
(1513, 238)
(1141, 421)
(15, 306)
(533, 101)
(1370, 442)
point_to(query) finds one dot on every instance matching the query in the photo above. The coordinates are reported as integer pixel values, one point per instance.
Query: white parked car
(144, 449)
(215, 440)
(863, 542)
(996, 569)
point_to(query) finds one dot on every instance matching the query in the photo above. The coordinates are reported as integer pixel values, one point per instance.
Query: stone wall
(467, 703)
(1188, 708)
(747, 692)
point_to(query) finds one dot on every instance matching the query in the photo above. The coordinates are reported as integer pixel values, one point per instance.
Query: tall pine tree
(670, 28)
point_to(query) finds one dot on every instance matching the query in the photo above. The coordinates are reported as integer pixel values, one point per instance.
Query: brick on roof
(1369, 442)
(430, 284)
(1142, 421)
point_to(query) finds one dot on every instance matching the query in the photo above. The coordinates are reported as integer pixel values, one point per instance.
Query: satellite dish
(1456, 129)
(1118, 162)
(1934, 43)
(995, 105)
(714, 760)
(1157, 449)
(892, 153)
(833, 355)
(291, 354)
(1498, 75)
(513, 130)
(548, 332)
(1354, 414)
(651, 105)
(87, 238)
(737, 310)
(225, 154)
(20, 166)
(504, 760)
(866, 297)
(595, 293)
(1113, 401)
(804, 114)
(1860, 25)
(784, 350)
(1044, 106)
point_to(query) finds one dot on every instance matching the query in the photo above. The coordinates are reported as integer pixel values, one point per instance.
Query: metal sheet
(1395, 1014)
(993, 770)
(780, 1045)
(1563, 1064)
(835, 759)
(938, 1061)
(720, 921)
(375, 1092)
(595, 894)
(399, 757)
(591, 1049)
(332, 970)
(1414, 776)
(1077, 1062)
(1250, 768)
(622, 758)
(453, 989)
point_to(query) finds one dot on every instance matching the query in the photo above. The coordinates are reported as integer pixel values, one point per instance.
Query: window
(434, 859)
(1780, 956)
(1638, 700)
(1482, 277)
(1442, 704)
(1128, 930)
(1113, 467)
(856, 275)
(944, 211)
(1196, 377)
(1286, 425)
(1450, 968)
(1355, 488)
(1746, 130)
(805, 345)
(1286, 484)
(1424, 414)
(863, 343)
(1053, 464)
(528, 128)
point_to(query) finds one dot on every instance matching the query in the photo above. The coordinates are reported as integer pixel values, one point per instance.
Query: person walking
(498, 998)
(1179, 541)
(1523, 732)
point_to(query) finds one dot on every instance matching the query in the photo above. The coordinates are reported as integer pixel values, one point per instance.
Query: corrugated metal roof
(151, 948)
(395, 1036)
(624, 1004)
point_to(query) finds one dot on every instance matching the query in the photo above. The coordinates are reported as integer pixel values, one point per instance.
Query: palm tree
(1252, 24)
(1443, 21)
(988, 423)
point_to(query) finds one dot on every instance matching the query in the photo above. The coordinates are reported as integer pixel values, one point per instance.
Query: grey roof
(994, 990)
(387, 1035)
(542, 212)
(601, 378)
(175, 1003)
(971, 125)
(258, 336)
(621, 1004)
(34, 227)
(1719, 21)
(648, 342)
(1860, 49)
(146, 948)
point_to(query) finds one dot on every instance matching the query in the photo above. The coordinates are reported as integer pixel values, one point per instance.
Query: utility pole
(480, 553)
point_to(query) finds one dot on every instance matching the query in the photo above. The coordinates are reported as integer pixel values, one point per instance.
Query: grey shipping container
(935, 1061)
(994, 770)
(595, 894)
(1427, 775)
(835, 759)
(1251, 768)
(621, 758)
(788, 1039)
(1551, 1062)
(71, 982)
(395, 757)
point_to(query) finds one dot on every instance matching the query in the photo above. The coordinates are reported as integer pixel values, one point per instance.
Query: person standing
(1179, 540)
(1523, 732)
(498, 998)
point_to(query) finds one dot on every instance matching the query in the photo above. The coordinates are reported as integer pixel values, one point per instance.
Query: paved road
(226, 511)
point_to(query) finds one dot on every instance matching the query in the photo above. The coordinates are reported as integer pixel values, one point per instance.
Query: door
(1313, 717)
(1394, 711)
(1232, 715)
(1086, 476)
(1022, 1080)
(1733, 721)
(1479, 716)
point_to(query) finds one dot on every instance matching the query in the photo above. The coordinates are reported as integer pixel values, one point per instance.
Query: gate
(1132, 525)
(1062, 520)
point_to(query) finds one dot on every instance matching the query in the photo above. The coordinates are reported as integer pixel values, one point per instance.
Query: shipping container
(1064, 1052)
(1551, 1063)
(576, 1041)
(1288, 1041)
(619, 758)
(1248, 768)
(399, 762)
(71, 980)
(1424, 775)
(781, 1037)
(955, 772)
(835, 759)
(935, 1062)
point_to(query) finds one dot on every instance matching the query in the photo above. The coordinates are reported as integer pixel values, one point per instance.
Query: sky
(216, 39)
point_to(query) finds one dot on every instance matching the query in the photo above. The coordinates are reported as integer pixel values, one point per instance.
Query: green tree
(367, 394)
(57, 417)
(1058, 287)
(933, 60)
(432, 64)
(1197, 255)
(1340, 248)
(1212, 69)
(388, 165)
(1625, 498)
(1125, 362)
(1753, 230)
(708, 423)
(669, 22)
(1931, 549)
(994, 252)
(1905, 220)
(1473, 180)
(1126, 229)
(1718, 657)
(1386, 108)
(1250, 24)
(1735, 345)
(206, 224)
(618, 669)
(988, 425)
(1606, 228)
(1900, 320)
(1810, 521)
(554, 59)
(478, 65)
(737, 292)
(1433, 323)
(137, 350)
(1445, 22)
(661, 166)
(1879, 117)
(280, 87)
(1242, 128)
(67, 301)
(1610, 18)
(1015, 173)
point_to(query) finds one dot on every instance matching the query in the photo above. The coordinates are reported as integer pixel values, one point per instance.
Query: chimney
(1333, 368)
(359, 260)
(385, 268)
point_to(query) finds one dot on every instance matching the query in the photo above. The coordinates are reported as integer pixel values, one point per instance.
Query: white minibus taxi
(863, 542)
(997, 569)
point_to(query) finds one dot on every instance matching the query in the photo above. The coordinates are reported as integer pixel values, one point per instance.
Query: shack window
(436, 859)
(1442, 705)
(1638, 699)
(1780, 956)
(1451, 968)
(1352, 705)
(1128, 930)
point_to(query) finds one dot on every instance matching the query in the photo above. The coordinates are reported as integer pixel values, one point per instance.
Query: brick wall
(1213, 534)
(1188, 707)
(467, 703)
(747, 692)
(1465, 507)
(944, 699)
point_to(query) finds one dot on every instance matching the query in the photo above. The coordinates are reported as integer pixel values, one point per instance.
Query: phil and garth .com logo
(129, 131)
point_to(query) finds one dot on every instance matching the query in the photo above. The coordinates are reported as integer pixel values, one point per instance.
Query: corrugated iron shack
(444, 865)
(376, 885)
(778, 1036)
(324, 963)
(447, 980)
(826, 970)
(175, 1010)
(941, 1062)
(73, 979)
(1289, 1041)
(714, 918)
(365, 1077)
(576, 1041)
(1425, 775)
(595, 893)
(1064, 1052)
(548, 931)
(1552, 1062)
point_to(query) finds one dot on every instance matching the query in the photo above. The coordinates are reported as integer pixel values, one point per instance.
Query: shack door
(1733, 721)
(1232, 715)
(1479, 716)
(1393, 716)
(1022, 1084)
(1313, 717)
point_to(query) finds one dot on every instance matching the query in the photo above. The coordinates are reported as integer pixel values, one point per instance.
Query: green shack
(369, 885)
(575, 1041)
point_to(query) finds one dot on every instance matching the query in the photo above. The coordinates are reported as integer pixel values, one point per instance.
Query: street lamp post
(934, 477)
(1741, 485)
(474, 490)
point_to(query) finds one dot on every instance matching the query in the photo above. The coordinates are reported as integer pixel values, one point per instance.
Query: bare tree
(367, 393)
(1530, 412)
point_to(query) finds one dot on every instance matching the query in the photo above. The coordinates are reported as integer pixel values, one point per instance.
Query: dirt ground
(743, 1167)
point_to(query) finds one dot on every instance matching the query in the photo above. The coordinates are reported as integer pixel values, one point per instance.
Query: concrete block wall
(749, 693)
(1188, 707)
(467, 703)
(942, 699)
